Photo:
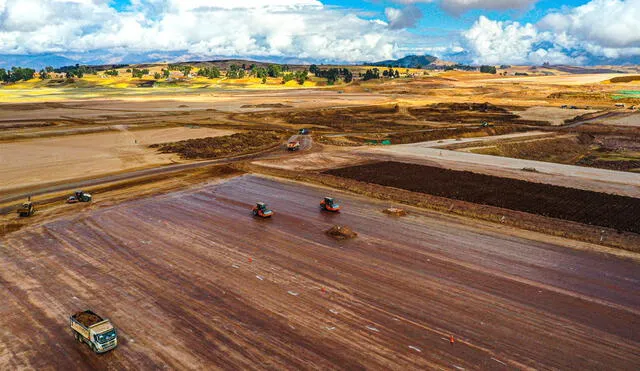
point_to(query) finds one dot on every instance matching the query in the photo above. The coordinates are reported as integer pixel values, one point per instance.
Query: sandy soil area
(48, 160)
(631, 119)
(554, 115)
(192, 281)
(559, 80)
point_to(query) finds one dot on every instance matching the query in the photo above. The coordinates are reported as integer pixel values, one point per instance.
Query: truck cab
(98, 333)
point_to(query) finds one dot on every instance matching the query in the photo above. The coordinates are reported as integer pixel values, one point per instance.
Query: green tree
(488, 69)
(20, 74)
(234, 72)
(166, 73)
(261, 73)
(274, 70)
(157, 76)
(302, 76)
(209, 72)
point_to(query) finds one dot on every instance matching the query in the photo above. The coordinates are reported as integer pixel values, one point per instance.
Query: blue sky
(312, 31)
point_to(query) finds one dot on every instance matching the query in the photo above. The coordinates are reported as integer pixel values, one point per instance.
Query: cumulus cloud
(304, 29)
(608, 23)
(495, 42)
(403, 18)
(596, 31)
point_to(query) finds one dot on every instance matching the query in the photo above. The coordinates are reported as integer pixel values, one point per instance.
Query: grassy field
(624, 94)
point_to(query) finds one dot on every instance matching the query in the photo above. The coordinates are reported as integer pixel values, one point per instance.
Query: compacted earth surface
(191, 279)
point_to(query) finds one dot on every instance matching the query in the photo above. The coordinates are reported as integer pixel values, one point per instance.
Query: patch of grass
(624, 94)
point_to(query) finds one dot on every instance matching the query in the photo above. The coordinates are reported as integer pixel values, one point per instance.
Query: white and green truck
(94, 330)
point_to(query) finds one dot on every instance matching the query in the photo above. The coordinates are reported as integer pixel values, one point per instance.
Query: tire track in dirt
(191, 280)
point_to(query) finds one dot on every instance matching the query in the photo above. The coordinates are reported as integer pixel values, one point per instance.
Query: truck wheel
(93, 347)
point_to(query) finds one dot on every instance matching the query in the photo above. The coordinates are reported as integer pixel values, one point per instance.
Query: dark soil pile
(601, 209)
(87, 319)
(236, 144)
(341, 232)
(266, 105)
(394, 211)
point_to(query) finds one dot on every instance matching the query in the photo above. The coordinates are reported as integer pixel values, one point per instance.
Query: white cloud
(403, 18)
(303, 29)
(598, 30)
(608, 23)
(495, 42)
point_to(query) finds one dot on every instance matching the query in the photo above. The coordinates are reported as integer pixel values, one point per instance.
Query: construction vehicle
(486, 125)
(293, 146)
(79, 196)
(262, 210)
(329, 204)
(304, 132)
(27, 209)
(98, 333)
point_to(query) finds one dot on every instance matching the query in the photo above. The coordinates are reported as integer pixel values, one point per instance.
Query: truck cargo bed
(87, 318)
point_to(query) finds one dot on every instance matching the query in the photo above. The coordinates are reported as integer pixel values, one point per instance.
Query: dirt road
(192, 281)
(306, 141)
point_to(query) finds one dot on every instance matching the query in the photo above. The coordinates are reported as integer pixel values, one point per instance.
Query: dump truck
(79, 196)
(293, 146)
(329, 204)
(27, 209)
(97, 332)
(262, 210)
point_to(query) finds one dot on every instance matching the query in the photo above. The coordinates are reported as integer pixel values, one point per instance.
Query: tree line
(332, 74)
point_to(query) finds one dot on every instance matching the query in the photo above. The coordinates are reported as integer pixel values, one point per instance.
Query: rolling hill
(410, 61)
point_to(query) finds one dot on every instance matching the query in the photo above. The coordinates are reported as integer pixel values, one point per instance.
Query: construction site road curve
(192, 281)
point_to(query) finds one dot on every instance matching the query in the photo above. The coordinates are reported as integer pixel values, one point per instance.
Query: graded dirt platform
(191, 280)
(45, 160)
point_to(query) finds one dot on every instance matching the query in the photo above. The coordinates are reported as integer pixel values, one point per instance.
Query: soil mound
(340, 232)
(394, 211)
(87, 319)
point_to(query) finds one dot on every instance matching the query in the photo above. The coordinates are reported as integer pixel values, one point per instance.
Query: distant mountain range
(37, 62)
(410, 61)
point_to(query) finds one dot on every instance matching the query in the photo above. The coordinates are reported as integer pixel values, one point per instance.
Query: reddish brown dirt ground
(192, 281)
